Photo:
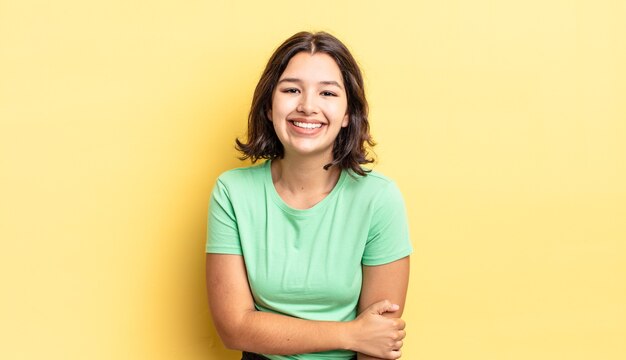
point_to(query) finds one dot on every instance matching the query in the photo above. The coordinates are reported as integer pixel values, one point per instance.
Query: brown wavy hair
(352, 142)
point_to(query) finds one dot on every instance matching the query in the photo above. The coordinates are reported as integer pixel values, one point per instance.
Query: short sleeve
(222, 232)
(388, 237)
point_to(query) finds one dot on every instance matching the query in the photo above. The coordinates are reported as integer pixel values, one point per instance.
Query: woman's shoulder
(372, 178)
(374, 184)
(243, 175)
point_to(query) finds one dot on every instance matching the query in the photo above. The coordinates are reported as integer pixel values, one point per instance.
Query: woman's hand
(377, 335)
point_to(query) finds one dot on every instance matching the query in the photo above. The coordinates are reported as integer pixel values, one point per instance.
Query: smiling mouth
(307, 125)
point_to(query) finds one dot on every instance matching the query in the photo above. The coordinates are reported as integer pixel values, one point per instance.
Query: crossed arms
(376, 333)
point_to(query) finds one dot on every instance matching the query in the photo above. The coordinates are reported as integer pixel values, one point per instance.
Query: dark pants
(251, 356)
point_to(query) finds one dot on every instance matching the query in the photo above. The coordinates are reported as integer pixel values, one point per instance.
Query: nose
(307, 105)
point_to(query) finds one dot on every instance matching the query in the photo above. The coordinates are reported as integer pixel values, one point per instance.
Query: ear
(269, 115)
(346, 120)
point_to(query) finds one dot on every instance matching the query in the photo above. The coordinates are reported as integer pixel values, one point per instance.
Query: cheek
(335, 109)
(281, 106)
(340, 112)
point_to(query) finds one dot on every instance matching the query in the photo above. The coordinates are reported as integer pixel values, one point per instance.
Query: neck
(304, 176)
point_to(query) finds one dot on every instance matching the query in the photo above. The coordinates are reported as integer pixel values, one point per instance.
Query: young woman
(308, 252)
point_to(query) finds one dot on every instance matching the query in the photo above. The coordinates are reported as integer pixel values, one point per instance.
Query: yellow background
(503, 122)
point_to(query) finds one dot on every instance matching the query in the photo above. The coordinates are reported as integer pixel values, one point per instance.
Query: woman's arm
(241, 327)
(388, 281)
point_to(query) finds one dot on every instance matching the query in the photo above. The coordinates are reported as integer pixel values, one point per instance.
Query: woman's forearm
(370, 333)
(269, 333)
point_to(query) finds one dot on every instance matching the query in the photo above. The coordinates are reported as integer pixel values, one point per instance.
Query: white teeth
(306, 125)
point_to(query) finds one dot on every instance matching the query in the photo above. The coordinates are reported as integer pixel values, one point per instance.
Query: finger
(400, 324)
(383, 306)
(395, 354)
(401, 334)
(398, 345)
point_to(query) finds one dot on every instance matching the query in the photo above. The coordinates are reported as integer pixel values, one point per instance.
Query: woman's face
(309, 105)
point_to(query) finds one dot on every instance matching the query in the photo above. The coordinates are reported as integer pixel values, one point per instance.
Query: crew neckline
(271, 189)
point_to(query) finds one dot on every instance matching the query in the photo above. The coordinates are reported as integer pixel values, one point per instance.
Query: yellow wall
(504, 123)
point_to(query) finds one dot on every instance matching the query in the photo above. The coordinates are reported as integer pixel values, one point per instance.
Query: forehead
(313, 67)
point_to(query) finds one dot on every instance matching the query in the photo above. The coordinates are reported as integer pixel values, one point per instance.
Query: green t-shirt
(307, 263)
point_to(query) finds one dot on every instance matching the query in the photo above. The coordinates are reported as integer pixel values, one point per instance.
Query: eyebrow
(296, 80)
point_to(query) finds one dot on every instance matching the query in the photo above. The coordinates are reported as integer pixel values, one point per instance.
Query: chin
(310, 151)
